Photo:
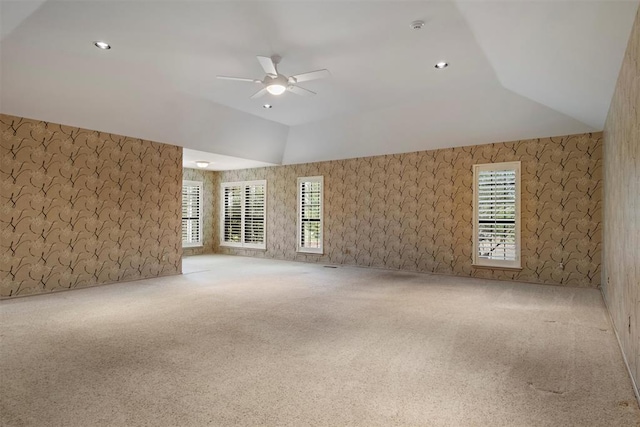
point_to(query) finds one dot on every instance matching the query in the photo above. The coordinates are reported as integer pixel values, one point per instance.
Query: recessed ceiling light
(417, 25)
(267, 106)
(102, 45)
(440, 65)
(202, 164)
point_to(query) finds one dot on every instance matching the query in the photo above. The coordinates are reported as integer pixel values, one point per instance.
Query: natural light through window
(243, 216)
(310, 214)
(497, 215)
(191, 213)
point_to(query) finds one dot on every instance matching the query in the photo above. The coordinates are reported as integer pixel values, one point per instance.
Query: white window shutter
(244, 214)
(232, 215)
(191, 213)
(310, 223)
(254, 214)
(496, 215)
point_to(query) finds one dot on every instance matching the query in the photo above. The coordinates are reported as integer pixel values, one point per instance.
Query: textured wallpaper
(210, 228)
(621, 275)
(414, 211)
(81, 207)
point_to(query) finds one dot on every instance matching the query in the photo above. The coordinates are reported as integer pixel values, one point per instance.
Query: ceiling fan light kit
(275, 83)
(276, 89)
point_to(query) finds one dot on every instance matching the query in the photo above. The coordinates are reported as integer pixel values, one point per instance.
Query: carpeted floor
(240, 341)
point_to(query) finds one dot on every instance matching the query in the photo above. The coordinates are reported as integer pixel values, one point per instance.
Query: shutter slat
(244, 213)
(496, 213)
(310, 227)
(254, 214)
(191, 213)
(232, 214)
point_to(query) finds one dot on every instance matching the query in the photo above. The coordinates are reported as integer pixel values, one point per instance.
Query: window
(191, 213)
(310, 214)
(496, 200)
(243, 218)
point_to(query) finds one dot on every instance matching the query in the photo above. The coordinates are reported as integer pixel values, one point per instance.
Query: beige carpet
(242, 341)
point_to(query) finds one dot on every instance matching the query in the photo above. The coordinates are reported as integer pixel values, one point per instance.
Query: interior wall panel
(81, 207)
(621, 272)
(414, 211)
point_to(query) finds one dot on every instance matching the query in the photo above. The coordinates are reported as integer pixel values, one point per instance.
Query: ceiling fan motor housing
(278, 80)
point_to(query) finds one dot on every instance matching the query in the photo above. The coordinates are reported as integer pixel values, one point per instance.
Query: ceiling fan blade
(267, 65)
(240, 79)
(259, 93)
(300, 90)
(311, 75)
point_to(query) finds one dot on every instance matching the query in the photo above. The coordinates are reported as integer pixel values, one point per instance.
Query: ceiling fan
(276, 83)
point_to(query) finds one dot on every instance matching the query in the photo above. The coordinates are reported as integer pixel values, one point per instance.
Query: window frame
(200, 186)
(243, 185)
(299, 247)
(478, 261)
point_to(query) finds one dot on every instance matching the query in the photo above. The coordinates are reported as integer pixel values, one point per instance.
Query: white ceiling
(518, 69)
(218, 162)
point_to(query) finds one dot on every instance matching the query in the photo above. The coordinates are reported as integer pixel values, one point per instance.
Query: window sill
(225, 245)
(192, 246)
(302, 251)
(493, 267)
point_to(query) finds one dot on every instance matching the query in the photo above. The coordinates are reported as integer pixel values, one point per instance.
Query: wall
(81, 208)
(210, 228)
(414, 211)
(621, 269)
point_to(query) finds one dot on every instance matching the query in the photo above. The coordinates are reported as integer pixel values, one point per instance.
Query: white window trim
(301, 249)
(482, 262)
(243, 184)
(200, 242)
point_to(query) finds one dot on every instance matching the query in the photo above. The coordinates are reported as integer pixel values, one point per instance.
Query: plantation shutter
(191, 213)
(244, 214)
(497, 215)
(254, 213)
(310, 214)
(232, 229)
(497, 239)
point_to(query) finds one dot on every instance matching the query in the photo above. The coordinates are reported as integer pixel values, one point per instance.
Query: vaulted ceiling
(517, 69)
